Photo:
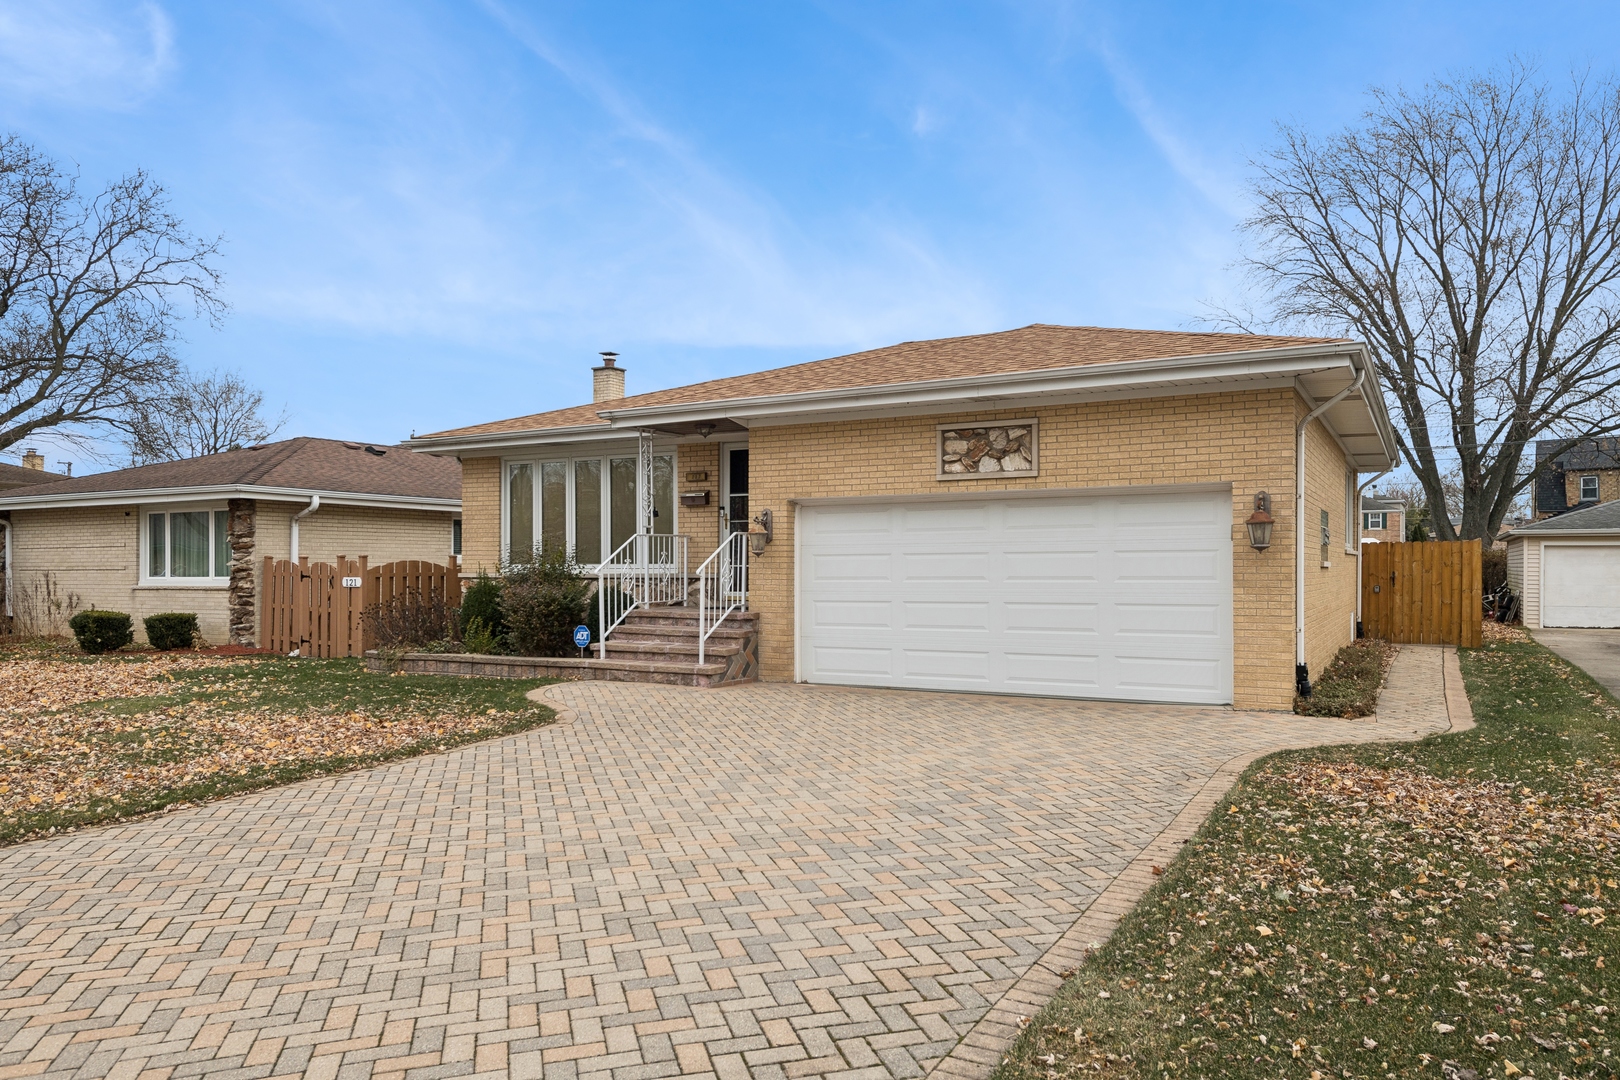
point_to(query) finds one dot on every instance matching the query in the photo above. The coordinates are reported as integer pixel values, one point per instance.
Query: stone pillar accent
(243, 612)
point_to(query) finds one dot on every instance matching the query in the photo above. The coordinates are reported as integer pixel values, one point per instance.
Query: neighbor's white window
(587, 504)
(186, 545)
(1589, 489)
(1372, 521)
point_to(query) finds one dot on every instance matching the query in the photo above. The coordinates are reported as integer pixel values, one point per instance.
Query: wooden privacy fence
(316, 608)
(1422, 594)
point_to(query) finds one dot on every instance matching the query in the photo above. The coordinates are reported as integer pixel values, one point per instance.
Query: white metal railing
(647, 569)
(722, 585)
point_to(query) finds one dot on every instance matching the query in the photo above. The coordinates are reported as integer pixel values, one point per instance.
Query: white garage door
(1123, 597)
(1580, 585)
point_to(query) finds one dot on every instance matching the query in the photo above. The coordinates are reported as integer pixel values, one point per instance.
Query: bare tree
(1470, 235)
(89, 289)
(199, 415)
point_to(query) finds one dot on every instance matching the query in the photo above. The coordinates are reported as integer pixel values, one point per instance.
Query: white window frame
(213, 581)
(1350, 518)
(1594, 481)
(1367, 520)
(605, 458)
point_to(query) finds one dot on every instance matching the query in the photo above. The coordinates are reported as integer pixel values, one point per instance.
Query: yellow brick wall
(480, 515)
(1330, 592)
(700, 523)
(89, 557)
(1608, 484)
(1244, 438)
(1394, 533)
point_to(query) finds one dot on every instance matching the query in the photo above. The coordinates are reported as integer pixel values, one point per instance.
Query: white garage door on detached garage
(1580, 584)
(1118, 596)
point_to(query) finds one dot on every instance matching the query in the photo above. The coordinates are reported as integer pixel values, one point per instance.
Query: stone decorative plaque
(1007, 447)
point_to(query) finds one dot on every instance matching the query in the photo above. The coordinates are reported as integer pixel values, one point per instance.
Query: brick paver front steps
(652, 645)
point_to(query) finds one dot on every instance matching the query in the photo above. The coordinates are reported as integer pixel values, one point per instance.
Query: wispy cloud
(86, 52)
(1161, 129)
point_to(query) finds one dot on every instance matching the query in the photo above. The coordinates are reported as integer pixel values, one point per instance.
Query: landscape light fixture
(1260, 522)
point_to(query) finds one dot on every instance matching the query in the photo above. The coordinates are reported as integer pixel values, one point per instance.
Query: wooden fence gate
(316, 608)
(1423, 593)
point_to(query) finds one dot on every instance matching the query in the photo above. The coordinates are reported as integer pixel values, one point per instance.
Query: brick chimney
(32, 459)
(609, 379)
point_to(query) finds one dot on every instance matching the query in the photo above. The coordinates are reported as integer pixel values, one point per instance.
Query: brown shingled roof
(1032, 348)
(16, 476)
(303, 463)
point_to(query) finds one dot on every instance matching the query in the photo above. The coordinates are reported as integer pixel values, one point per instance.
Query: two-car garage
(1112, 596)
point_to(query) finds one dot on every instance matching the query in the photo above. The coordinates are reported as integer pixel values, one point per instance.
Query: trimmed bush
(482, 601)
(171, 630)
(542, 601)
(101, 631)
(477, 638)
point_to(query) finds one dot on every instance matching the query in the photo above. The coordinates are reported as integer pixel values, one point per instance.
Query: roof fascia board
(217, 491)
(1220, 367)
(453, 446)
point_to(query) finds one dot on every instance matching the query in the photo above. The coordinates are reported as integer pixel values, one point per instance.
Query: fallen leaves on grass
(30, 686)
(1495, 633)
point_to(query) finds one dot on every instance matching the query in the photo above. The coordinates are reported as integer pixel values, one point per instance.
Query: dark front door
(737, 489)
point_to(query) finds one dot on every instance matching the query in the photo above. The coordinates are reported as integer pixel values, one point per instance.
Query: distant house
(192, 535)
(1578, 476)
(31, 471)
(1383, 519)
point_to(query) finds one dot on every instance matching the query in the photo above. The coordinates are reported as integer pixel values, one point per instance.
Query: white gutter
(1300, 672)
(222, 491)
(1359, 489)
(314, 505)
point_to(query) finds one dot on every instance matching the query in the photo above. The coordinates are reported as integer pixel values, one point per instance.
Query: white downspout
(1299, 520)
(1360, 488)
(314, 505)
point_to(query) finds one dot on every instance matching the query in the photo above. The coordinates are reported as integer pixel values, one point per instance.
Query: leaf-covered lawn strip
(1349, 686)
(1424, 909)
(83, 742)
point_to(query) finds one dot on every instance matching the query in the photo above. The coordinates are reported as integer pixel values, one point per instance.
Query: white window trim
(145, 579)
(1595, 495)
(1381, 515)
(1352, 534)
(606, 458)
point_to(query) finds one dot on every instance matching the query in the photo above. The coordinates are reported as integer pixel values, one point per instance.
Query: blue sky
(435, 213)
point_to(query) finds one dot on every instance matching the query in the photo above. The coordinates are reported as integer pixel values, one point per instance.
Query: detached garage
(1122, 596)
(1566, 569)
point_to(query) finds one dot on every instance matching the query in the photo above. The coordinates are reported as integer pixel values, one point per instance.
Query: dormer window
(1589, 489)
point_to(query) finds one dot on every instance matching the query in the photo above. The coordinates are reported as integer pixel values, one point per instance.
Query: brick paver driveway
(752, 882)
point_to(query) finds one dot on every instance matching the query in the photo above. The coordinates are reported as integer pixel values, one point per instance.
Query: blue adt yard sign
(582, 636)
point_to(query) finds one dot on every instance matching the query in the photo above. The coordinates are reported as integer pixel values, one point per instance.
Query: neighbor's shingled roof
(16, 476)
(1601, 517)
(302, 463)
(1032, 348)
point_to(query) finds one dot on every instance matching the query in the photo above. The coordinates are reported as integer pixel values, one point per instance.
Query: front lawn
(1433, 909)
(85, 741)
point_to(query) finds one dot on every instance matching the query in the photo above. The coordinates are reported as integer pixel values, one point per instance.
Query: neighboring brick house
(1059, 511)
(1383, 519)
(192, 535)
(1579, 475)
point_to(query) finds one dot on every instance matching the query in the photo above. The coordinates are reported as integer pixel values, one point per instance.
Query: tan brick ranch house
(1052, 510)
(192, 535)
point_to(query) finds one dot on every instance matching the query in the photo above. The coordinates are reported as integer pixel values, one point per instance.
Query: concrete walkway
(1596, 652)
(766, 881)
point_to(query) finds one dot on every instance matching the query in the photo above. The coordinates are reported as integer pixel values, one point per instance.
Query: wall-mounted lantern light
(1260, 523)
(759, 532)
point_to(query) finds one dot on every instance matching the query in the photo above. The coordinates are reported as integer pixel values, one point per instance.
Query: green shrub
(171, 630)
(542, 601)
(1349, 686)
(479, 638)
(101, 631)
(482, 601)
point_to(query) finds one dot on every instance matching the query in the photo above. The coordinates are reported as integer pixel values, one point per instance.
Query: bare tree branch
(1470, 235)
(199, 415)
(88, 295)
